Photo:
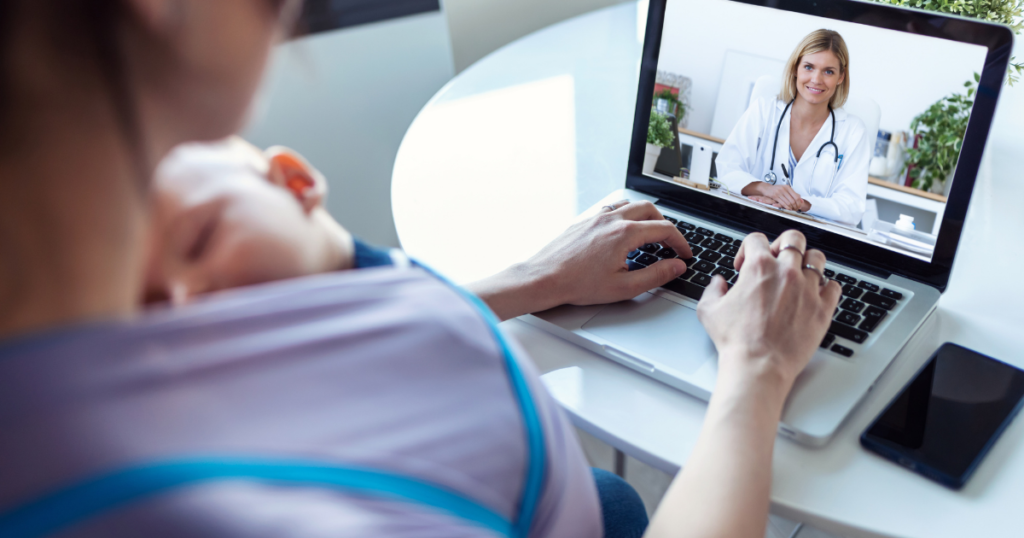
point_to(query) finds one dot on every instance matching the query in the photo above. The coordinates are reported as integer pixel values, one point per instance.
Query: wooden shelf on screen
(908, 190)
(702, 136)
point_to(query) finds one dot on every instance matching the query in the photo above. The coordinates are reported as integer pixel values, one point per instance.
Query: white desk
(515, 147)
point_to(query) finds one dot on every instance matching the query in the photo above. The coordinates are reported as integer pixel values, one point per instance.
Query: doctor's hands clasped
(780, 196)
(773, 320)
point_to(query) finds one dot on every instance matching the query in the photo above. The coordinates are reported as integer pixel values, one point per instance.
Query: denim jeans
(622, 510)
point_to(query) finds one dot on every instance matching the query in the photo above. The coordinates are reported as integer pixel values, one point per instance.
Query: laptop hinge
(832, 256)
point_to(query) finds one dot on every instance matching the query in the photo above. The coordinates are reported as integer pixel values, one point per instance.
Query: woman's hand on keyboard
(766, 330)
(774, 318)
(586, 264)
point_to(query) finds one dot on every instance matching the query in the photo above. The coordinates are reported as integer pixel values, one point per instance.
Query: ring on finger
(616, 205)
(821, 274)
(794, 247)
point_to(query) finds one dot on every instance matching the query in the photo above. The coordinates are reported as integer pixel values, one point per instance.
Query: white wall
(480, 27)
(344, 99)
(903, 73)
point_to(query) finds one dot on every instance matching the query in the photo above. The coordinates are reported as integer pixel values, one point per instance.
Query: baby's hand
(291, 171)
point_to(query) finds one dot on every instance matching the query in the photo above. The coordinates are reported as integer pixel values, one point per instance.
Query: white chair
(864, 108)
(345, 98)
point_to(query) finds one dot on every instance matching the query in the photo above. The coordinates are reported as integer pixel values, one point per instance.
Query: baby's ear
(292, 172)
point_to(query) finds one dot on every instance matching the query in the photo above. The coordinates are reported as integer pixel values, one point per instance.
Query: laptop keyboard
(861, 310)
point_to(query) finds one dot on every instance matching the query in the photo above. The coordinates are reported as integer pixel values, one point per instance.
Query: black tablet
(948, 417)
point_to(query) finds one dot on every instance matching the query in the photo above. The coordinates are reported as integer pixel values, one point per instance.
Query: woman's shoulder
(386, 314)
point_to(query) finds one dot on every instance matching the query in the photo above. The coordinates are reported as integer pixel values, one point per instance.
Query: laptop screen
(849, 127)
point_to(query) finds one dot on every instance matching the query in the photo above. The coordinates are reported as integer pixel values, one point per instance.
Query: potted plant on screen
(938, 136)
(659, 135)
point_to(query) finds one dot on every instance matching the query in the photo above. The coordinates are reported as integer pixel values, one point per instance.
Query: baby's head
(227, 214)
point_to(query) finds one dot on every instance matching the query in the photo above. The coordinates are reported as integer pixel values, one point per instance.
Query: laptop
(720, 58)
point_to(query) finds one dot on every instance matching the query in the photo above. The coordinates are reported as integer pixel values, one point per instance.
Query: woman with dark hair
(369, 403)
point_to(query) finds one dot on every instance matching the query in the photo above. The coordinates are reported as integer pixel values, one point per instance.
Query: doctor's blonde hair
(815, 42)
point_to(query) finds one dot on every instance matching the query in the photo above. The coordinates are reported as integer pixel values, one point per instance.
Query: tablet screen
(949, 415)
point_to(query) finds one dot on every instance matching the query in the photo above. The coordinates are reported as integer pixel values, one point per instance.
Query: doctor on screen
(801, 151)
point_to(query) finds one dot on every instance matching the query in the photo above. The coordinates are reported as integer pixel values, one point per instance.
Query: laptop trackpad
(660, 331)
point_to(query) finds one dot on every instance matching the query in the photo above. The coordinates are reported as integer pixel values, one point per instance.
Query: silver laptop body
(658, 333)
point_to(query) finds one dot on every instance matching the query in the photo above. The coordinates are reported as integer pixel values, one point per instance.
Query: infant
(226, 214)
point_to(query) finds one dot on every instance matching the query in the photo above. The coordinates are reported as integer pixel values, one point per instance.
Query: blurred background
(345, 93)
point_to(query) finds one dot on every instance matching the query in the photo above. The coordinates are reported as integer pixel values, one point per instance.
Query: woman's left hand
(587, 264)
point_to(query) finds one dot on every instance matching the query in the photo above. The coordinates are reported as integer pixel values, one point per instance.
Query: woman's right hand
(774, 318)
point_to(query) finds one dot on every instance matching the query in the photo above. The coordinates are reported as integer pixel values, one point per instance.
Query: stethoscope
(770, 177)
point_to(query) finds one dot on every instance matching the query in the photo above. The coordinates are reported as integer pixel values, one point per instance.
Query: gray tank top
(379, 402)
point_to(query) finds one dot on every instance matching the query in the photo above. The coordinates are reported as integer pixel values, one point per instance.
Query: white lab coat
(747, 155)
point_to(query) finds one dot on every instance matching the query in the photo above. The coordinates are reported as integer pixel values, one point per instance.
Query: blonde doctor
(801, 151)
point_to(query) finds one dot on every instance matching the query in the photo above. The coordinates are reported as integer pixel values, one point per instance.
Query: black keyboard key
(847, 332)
(829, 338)
(727, 262)
(829, 273)
(694, 238)
(633, 266)
(711, 243)
(852, 291)
(724, 238)
(704, 266)
(666, 253)
(879, 301)
(696, 250)
(650, 248)
(846, 279)
(670, 219)
(685, 226)
(705, 231)
(733, 279)
(852, 305)
(875, 312)
(633, 254)
(726, 274)
(686, 289)
(701, 279)
(710, 256)
(871, 322)
(891, 294)
(688, 274)
(868, 286)
(848, 318)
(737, 243)
(646, 259)
(844, 351)
(730, 250)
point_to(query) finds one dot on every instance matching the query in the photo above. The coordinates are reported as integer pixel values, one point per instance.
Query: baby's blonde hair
(815, 42)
